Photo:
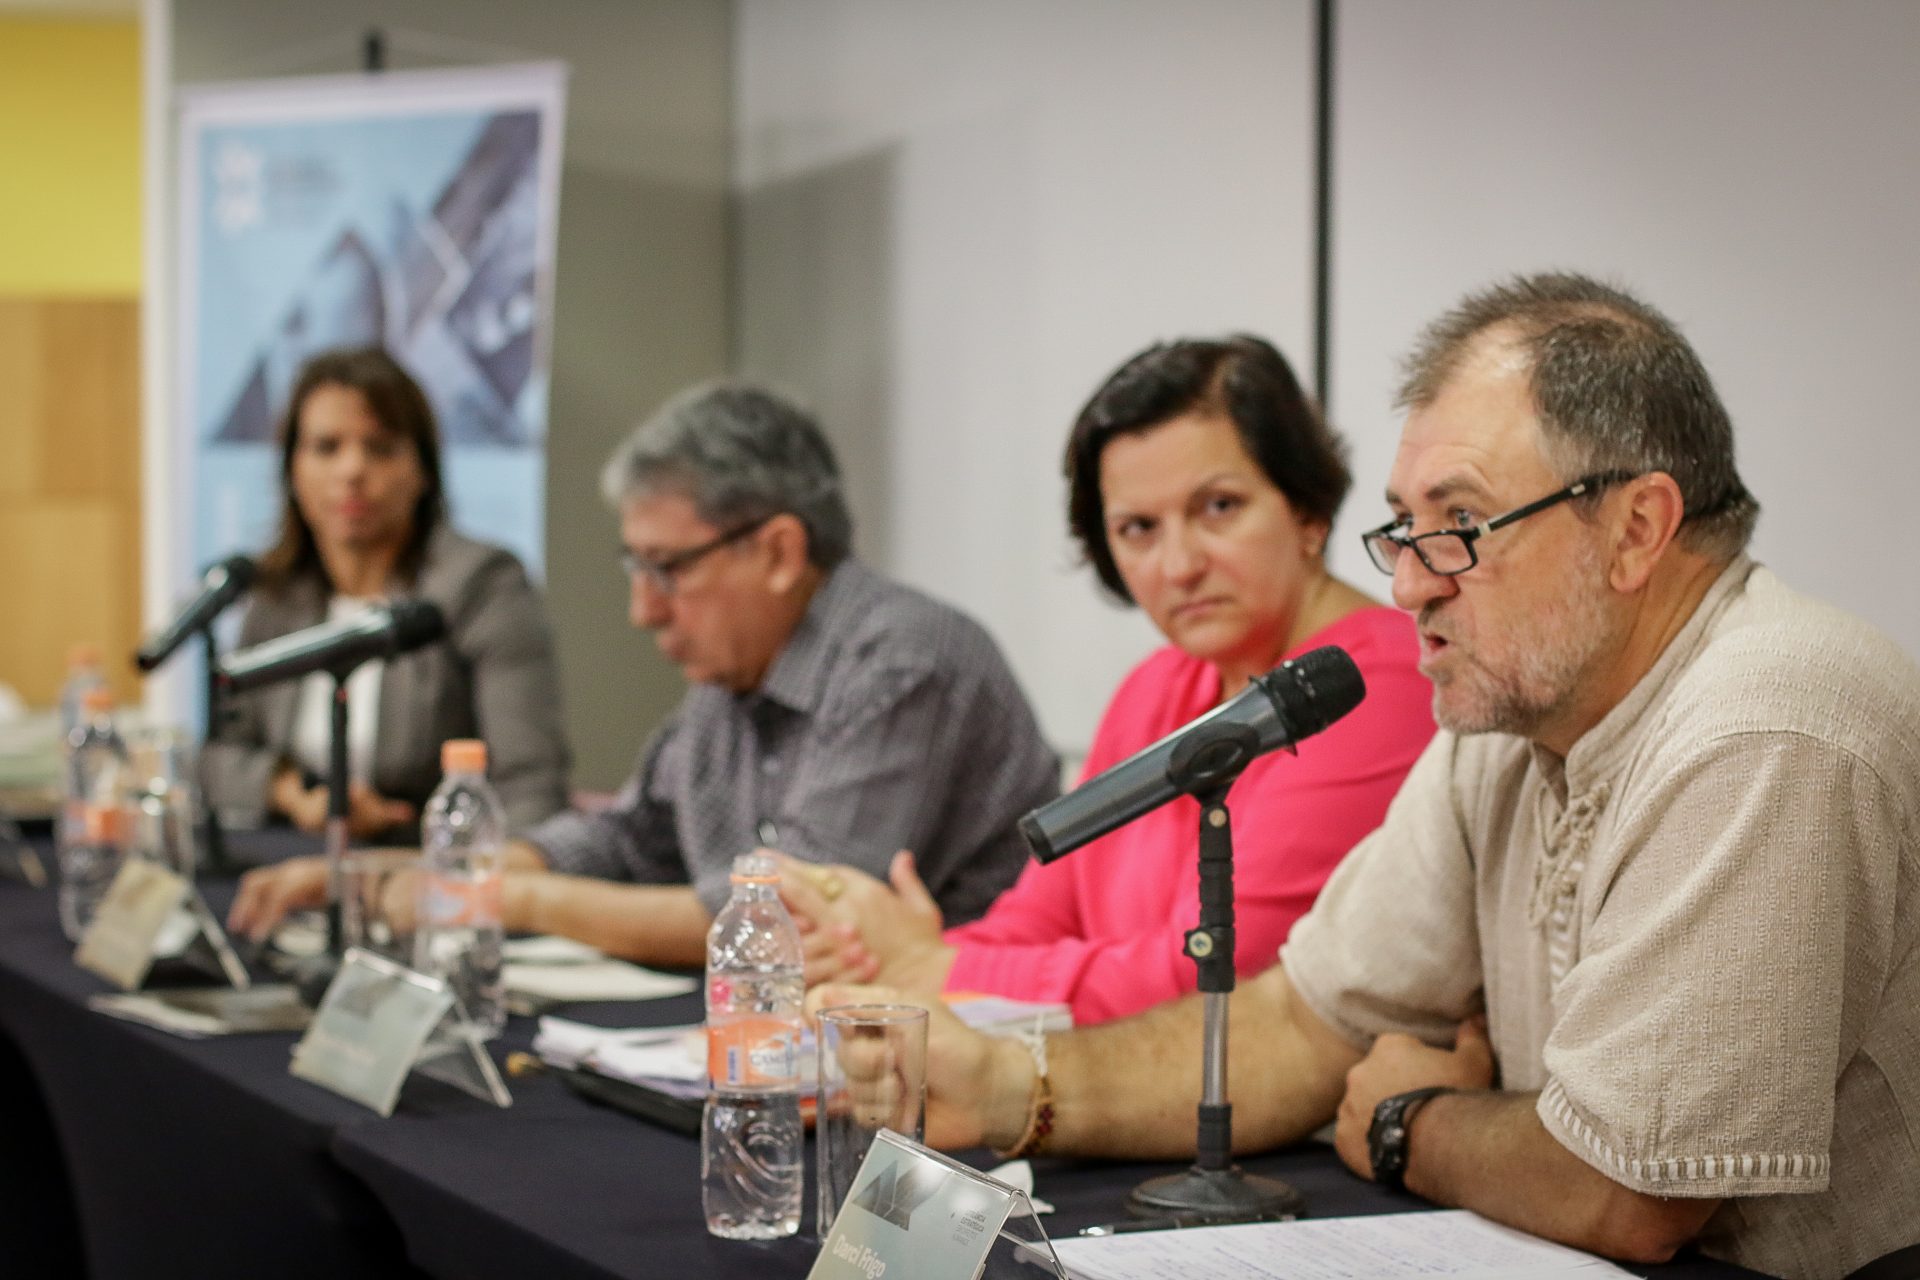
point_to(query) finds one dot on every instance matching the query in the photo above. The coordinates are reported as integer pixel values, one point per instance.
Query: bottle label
(451, 902)
(105, 824)
(753, 1053)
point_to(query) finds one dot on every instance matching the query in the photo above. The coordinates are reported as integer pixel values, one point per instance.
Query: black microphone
(1295, 700)
(220, 586)
(334, 647)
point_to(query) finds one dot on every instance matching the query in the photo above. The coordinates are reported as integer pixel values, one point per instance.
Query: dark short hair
(1616, 387)
(739, 454)
(1242, 379)
(401, 407)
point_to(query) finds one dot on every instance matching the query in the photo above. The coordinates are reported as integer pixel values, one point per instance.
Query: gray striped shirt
(888, 721)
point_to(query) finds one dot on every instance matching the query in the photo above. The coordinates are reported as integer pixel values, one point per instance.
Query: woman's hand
(368, 812)
(855, 928)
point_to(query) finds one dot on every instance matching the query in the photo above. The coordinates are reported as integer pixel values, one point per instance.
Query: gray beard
(1556, 653)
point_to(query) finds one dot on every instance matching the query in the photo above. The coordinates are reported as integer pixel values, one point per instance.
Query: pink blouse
(1101, 929)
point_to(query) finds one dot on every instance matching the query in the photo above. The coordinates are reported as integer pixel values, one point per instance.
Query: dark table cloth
(155, 1156)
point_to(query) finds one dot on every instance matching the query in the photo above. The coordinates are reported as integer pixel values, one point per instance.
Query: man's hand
(856, 928)
(978, 1087)
(1398, 1063)
(267, 894)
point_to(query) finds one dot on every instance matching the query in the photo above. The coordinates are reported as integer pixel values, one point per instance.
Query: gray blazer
(494, 677)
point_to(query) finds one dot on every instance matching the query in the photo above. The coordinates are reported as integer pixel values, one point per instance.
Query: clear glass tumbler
(873, 1076)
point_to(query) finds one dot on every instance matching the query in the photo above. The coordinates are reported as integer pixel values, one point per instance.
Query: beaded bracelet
(1040, 1108)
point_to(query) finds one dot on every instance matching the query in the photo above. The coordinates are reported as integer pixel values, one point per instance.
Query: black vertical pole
(374, 50)
(217, 861)
(1323, 203)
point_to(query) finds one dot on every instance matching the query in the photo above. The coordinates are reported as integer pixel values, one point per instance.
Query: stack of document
(672, 1060)
(1455, 1243)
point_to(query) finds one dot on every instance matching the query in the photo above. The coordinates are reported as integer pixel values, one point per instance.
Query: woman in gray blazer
(364, 522)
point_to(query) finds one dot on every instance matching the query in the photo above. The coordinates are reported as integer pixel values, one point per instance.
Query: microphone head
(1316, 688)
(1037, 839)
(415, 623)
(241, 572)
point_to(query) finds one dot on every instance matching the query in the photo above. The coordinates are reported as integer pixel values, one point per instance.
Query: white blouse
(313, 721)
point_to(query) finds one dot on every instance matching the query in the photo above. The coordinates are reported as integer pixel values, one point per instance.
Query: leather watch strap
(1387, 1135)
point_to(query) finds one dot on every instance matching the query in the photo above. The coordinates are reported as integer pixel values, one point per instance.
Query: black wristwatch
(1387, 1135)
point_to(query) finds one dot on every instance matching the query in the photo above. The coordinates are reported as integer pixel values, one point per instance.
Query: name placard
(914, 1214)
(370, 1028)
(125, 936)
(150, 914)
(378, 1021)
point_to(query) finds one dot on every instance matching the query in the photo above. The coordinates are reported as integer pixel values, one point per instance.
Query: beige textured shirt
(1697, 937)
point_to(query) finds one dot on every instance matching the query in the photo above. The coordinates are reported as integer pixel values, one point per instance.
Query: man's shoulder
(1779, 661)
(881, 620)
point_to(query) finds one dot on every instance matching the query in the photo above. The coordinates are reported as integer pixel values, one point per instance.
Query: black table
(158, 1156)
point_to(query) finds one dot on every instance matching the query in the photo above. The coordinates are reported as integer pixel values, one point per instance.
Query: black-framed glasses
(1451, 551)
(664, 573)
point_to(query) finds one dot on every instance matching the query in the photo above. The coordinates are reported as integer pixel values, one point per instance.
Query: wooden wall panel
(69, 488)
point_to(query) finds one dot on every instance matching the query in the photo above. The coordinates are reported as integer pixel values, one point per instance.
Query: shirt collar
(797, 675)
(1603, 748)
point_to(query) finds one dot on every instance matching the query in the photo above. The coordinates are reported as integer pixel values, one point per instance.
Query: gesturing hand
(368, 812)
(856, 928)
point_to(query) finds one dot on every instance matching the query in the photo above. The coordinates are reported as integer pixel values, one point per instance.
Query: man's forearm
(1487, 1151)
(1130, 1088)
(651, 924)
(524, 855)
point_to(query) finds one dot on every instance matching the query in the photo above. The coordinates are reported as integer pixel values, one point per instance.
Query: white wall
(953, 220)
(1752, 167)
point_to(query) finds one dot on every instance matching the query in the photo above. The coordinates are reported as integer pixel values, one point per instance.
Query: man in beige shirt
(1645, 912)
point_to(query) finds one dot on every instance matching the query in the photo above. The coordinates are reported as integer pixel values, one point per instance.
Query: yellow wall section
(69, 156)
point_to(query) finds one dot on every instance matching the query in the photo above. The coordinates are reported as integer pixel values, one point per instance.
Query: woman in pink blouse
(1202, 486)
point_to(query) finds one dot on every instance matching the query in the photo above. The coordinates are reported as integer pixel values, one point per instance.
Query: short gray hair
(1616, 386)
(740, 454)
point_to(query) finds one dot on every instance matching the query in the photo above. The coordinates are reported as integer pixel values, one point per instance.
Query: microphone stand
(316, 974)
(1214, 1189)
(218, 861)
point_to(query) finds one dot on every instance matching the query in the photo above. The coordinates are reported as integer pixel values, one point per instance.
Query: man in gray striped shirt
(833, 715)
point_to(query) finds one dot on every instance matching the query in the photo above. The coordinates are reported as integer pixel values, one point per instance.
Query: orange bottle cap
(463, 755)
(98, 698)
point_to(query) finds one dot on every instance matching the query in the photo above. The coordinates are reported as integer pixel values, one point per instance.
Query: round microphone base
(1215, 1197)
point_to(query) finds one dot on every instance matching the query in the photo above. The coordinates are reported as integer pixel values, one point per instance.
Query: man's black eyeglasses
(662, 574)
(1451, 551)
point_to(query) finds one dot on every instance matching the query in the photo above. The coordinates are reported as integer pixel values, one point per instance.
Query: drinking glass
(873, 1076)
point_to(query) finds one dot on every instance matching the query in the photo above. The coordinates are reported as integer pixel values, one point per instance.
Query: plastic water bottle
(93, 821)
(83, 673)
(464, 839)
(751, 1161)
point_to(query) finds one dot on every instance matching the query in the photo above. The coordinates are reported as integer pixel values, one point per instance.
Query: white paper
(565, 1043)
(597, 980)
(1452, 1243)
(1000, 1015)
(545, 948)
